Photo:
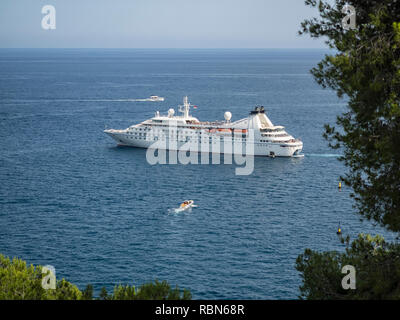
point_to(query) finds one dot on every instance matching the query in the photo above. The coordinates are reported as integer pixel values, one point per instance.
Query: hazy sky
(156, 24)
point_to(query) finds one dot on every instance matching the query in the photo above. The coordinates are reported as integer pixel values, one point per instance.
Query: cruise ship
(257, 129)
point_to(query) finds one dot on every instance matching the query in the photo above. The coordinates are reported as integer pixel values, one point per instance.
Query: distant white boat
(186, 205)
(155, 98)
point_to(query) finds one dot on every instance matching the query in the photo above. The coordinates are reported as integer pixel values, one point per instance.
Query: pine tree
(364, 68)
(87, 294)
(103, 294)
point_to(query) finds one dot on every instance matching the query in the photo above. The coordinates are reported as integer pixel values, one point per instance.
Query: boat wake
(178, 210)
(324, 155)
(185, 206)
(79, 100)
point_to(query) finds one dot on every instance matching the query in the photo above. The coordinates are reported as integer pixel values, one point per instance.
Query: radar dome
(228, 116)
(171, 112)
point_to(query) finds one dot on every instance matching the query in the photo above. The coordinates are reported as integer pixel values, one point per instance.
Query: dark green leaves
(366, 70)
(377, 265)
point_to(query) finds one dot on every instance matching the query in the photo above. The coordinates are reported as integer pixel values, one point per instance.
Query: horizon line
(172, 48)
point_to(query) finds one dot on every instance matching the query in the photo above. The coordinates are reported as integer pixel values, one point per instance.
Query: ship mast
(186, 107)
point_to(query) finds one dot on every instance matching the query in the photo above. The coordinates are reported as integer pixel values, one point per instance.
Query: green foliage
(366, 70)
(150, 291)
(124, 293)
(377, 265)
(161, 291)
(17, 281)
(20, 282)
(87, 294)
(67, 291)
(104, 294)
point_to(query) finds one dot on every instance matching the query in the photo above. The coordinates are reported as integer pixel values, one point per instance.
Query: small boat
(155, 98)
(187, 204)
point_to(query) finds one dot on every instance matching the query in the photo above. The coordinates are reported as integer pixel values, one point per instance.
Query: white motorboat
(187, 204)
(155, 98)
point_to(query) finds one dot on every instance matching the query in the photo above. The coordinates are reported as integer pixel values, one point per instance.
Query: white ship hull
(260, 148)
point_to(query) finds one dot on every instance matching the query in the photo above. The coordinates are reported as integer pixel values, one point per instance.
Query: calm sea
(100, 213)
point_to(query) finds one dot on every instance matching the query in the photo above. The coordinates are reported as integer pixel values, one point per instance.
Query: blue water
(100, 213)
